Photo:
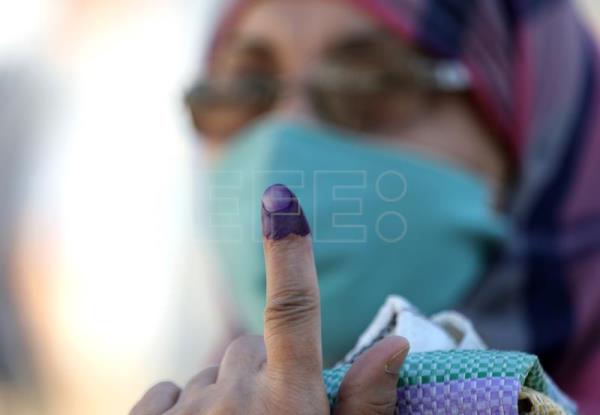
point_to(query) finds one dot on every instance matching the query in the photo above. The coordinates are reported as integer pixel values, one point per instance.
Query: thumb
(370, 386)
(292, 314)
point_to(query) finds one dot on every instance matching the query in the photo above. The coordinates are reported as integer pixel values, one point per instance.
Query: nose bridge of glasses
(294, 102)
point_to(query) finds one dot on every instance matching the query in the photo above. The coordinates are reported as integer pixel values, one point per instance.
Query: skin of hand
(282, 371)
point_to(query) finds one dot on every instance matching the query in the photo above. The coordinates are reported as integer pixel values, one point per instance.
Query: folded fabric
(459, 381)
(444, 331)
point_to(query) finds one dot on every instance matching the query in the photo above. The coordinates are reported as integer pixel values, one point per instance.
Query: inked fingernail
(282, 214)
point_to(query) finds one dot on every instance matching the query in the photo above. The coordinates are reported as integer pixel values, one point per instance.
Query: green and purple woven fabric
(478, 382)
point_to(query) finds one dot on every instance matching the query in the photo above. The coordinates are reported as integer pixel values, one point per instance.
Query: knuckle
(193, 407)
(147, 404)
(246, 342)
(291, 307)
(201, 381)
(195, 382)
(166, 387)
(245, 345)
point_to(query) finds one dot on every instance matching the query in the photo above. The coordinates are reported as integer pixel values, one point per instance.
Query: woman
(483, 112)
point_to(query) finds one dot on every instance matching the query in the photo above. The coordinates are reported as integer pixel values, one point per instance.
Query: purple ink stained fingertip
(282, 214)
(277, 198)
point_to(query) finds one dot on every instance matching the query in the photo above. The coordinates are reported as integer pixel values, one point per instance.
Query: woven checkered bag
(463, 382)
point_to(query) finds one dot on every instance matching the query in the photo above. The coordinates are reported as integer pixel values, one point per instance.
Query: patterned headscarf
(535, 73)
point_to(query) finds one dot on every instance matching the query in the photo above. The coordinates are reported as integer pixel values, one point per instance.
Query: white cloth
(447, 330)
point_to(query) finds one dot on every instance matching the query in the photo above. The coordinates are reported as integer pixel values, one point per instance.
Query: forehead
(298, 31)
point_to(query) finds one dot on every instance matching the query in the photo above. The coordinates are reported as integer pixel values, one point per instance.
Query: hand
(282, 373)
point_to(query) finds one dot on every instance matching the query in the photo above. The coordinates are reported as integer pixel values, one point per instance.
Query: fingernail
(282, 214)
(394, 364)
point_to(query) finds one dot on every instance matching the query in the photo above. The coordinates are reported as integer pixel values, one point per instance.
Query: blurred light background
(102, 226)
(99, 221)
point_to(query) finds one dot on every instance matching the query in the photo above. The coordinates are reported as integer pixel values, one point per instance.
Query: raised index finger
(292, 314)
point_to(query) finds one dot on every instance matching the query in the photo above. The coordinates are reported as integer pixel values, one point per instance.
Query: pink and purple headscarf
(536, 74)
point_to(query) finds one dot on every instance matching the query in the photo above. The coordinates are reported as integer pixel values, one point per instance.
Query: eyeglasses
(369, 86)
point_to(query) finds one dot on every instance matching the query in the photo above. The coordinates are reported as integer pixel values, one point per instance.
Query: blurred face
(324, 61)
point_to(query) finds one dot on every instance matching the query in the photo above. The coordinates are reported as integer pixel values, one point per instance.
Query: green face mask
(384, 221)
